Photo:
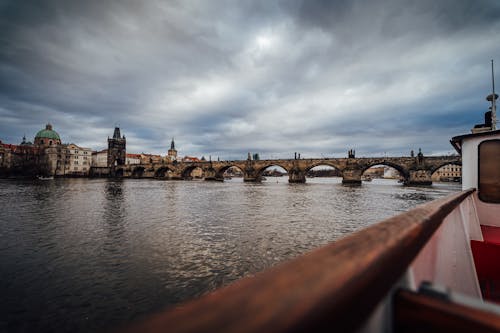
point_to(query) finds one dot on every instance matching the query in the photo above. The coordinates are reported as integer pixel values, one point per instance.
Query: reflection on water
(83, 255)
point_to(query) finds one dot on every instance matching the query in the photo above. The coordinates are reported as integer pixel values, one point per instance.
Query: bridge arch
(439, 166)
(222, 170)
(162, 172)
(325, 163)
(405, 173)
(138, 172)
(441, 173)
(186, 173)
(262, 169)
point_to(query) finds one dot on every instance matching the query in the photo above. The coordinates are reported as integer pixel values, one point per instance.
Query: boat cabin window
(489, 171)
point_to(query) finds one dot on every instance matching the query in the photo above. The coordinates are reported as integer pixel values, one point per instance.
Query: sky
(225, 78)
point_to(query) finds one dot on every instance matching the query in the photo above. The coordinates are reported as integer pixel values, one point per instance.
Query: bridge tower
(116, 152)
(172, 153)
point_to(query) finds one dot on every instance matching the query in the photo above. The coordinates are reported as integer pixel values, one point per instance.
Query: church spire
(172, 144)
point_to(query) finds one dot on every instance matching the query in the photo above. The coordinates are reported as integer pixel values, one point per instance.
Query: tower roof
(116, 134)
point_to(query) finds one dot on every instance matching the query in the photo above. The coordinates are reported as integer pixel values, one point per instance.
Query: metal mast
(493, 101)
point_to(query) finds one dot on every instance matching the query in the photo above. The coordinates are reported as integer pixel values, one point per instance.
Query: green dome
(47, 133)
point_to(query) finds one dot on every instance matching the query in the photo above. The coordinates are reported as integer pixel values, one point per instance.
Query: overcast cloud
(228, 77)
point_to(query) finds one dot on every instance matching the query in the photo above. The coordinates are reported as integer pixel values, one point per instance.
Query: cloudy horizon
(227, 78)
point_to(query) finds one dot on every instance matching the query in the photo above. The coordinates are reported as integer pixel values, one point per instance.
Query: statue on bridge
(420, 156)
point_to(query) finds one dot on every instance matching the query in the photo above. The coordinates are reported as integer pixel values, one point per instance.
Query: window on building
(489, 178)
(75, 168)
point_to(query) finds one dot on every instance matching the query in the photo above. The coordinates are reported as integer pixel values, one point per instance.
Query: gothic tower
(172, 153)
(116, 152)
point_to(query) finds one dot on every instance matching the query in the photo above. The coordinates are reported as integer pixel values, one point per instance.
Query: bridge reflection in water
(413, 170)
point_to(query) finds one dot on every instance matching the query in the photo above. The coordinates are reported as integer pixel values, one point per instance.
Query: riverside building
(78, 160)
(46, 156)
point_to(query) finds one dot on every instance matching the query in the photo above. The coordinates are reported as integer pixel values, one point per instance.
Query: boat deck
(486, 256)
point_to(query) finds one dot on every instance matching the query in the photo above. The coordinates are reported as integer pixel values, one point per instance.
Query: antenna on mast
(493, 100)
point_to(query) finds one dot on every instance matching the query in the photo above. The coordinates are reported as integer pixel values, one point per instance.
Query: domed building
(47, 137)
(47, 156)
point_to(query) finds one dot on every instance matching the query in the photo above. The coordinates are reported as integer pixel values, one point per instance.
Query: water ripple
(82, 255)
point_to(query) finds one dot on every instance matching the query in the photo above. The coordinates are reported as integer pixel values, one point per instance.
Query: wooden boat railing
(337, 286)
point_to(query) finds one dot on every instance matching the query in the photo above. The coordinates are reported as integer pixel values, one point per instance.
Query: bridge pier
(419, 178)
(352, 176)
(251, 178)
(214, 179)
(250, 174)
(296, 175)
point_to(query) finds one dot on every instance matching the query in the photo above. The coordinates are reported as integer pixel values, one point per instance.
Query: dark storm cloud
(225, 78)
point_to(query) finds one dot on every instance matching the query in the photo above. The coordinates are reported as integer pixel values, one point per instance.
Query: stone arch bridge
(414, 170)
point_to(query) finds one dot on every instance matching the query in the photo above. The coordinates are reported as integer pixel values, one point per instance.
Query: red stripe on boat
(491, 234)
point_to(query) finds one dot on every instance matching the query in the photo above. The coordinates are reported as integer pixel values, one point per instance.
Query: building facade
(100, 158)
(99, 166)
(46, 156)
(78, 160)
(150, 158)
(21, 160)
(133, 159)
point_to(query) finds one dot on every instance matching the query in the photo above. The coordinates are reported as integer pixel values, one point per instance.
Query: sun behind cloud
(264, 42)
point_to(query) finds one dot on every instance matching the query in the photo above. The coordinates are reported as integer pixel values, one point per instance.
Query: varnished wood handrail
(334, 287)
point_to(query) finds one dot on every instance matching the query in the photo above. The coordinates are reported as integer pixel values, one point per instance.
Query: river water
(80, 255)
